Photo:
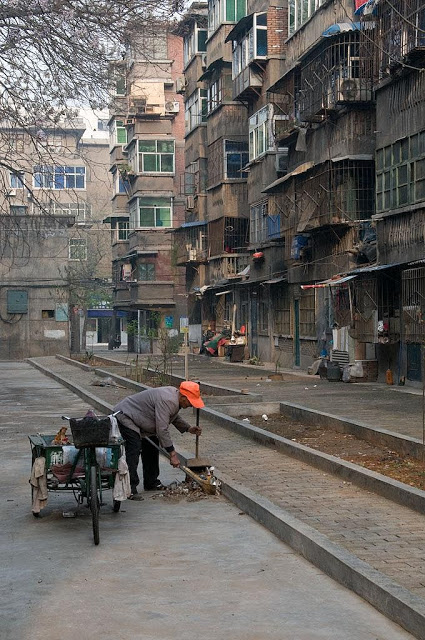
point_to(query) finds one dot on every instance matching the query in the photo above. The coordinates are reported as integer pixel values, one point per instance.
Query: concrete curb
(360, 476)
(393, 600)
(402, 444)
(222, 392)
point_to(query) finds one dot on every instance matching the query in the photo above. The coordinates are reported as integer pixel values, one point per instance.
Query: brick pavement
(397, 409)
(387, 536)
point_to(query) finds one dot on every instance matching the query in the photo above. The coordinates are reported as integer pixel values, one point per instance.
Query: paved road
(163, 569)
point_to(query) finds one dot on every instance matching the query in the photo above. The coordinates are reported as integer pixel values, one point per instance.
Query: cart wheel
(94, 503)
(116, 506)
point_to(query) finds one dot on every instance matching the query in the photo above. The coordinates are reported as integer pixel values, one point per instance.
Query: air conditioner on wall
(190, 202)
(172, 107)
(349, 91)
(282, 160)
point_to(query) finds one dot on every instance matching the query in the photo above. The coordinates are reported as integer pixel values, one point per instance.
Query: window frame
(17, 179)
(58, 177)
(260, 139)
(244, 158)
(156, 204)
(150, 268)
(78, 244)
(140, 156)
(196, 109)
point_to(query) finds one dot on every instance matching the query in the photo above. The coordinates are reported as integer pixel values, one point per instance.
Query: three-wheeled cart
(86, 466)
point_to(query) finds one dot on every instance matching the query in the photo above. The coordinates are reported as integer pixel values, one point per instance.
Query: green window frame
(156, 156)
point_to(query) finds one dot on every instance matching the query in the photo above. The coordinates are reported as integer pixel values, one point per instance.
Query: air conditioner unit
(172, 107)
(190, 202)
(282, 160)
(129, 121)
(192, 254)
(349, 91)
(11, 193)
(204, 60)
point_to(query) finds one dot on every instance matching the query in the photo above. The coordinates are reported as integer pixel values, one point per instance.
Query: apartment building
(54, 251)
(147, 163)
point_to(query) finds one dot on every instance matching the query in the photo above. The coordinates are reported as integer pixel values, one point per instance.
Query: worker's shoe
(136, 496)
(158, 486)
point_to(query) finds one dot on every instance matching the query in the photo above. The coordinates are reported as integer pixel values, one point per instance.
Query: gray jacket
(151, 412)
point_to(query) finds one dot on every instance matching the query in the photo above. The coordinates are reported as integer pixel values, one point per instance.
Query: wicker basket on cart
(90, 432)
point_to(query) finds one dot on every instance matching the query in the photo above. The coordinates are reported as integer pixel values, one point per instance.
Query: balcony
(155, 293)
(245, 84)
(222, 268)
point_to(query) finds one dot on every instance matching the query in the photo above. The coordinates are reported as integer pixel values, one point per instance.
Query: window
(400, 178)
(121, 185)
(215, 94)
(300, 11)
(48, 314)
(147, 271)
(77, 249)
(263, 311)
(252, 46)
(258, 223)
(123, 228)
(196, 109)
(17, 179)
(80, 210)
(51, 177)
(259, 133)
(236, 157)
(119, 81)
(118, 132)
(155, 156)
(151, 213)
(308, 313)
(220, 11)
(195, 42)
(282, 311)
(17, 142)
(18, 209)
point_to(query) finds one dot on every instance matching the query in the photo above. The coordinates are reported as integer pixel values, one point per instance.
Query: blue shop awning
(340, 27)
(197, 223)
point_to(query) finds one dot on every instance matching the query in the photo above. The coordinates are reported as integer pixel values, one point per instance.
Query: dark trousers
(136, 446)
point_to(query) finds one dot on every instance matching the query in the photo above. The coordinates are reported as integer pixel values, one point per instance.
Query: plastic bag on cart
(114, 433)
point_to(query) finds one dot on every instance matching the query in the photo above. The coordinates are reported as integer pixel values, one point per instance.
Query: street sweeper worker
(150, 413)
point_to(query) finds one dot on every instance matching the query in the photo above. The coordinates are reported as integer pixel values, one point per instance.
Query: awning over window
(340, 27)
(302, 168)
(328, 283)
(188, 225)
(377, 267)
(242, 25)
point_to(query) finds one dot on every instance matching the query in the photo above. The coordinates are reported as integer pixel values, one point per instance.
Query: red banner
(359, 4)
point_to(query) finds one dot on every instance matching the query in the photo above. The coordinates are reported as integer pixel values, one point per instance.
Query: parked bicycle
(87, 465)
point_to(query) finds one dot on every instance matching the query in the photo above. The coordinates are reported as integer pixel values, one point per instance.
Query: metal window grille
(413, 304)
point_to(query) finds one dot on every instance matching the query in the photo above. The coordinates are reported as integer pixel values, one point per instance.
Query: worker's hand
(195, 430)
(174, 459)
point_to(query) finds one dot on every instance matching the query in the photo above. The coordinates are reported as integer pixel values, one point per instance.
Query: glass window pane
(121, 135)
(261, 42)
(202, 40)
(147, 216)
(240, 9)
(150, 162)
(167, 163)
(230, 10)
(80, 182)
(404, 149)
(163, 217)
(147, 145)
(403, 195)
(379, 159)
(262, 19)
(396, 152)
(402, 174)
(414, 146)
(387, 156)
(165, 146)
